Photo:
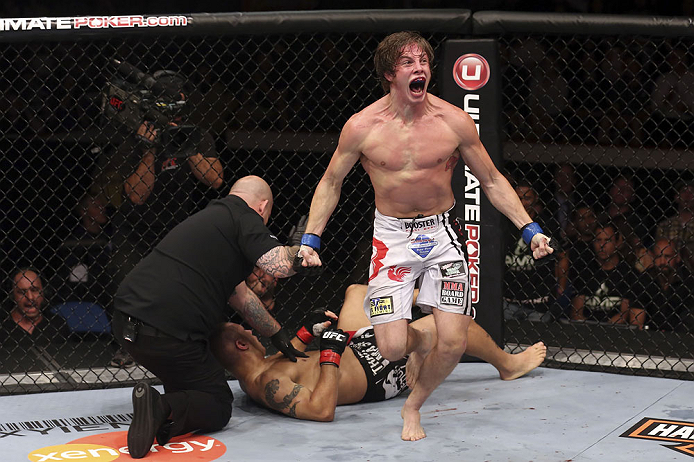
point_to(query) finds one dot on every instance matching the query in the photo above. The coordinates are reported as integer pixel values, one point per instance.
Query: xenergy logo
(107, 447)
(471, 72)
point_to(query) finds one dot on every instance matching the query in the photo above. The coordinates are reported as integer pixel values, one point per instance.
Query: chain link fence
(599, 136)
(89, 120)
(592, 117)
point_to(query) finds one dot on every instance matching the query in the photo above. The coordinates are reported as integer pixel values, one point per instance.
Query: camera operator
(162, 163)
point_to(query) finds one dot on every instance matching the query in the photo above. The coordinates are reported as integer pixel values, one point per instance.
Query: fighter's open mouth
(417, 85)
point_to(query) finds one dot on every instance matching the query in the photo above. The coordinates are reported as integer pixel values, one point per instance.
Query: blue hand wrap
(311, 240)
(529, 230)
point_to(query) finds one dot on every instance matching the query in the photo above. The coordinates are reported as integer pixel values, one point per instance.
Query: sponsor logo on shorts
(669, 431)
(452, 269)
(398, 273)
(381, 305)
(453, 293)
(422, 245)
(421, 225)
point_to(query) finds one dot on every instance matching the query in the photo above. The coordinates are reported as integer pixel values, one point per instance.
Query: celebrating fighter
(408, 142)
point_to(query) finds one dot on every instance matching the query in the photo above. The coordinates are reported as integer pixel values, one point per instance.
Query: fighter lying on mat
(310, 388)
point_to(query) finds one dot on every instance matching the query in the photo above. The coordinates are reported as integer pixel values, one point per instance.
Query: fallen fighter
(312, 387)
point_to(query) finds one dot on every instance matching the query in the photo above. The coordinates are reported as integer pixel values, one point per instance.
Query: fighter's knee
(393, 352)
(452, 348)
(356, 290)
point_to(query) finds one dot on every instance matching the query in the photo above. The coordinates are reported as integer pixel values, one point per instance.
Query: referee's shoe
(149, 415)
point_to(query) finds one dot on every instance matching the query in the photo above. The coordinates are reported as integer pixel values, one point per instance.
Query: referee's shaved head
(257, 194)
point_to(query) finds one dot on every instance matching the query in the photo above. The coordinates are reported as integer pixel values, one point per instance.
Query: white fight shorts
(408, 250)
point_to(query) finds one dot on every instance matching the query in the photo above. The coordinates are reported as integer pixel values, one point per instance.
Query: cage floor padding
(548, 415)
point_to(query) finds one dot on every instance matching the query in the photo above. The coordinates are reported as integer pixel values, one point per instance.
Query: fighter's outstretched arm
(327, 193)
(495, 185)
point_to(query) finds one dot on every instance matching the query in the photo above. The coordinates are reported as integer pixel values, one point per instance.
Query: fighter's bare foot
(524, 362)
(411, 428)
(416, 358)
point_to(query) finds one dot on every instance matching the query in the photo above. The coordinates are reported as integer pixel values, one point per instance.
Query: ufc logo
(116, 103)
(465, 73)
(471, 72)
(332, 334)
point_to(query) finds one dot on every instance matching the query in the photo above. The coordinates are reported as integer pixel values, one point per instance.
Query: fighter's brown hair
(390, 49)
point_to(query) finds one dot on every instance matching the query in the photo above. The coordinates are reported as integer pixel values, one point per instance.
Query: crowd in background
(616, 266)
(62, 190)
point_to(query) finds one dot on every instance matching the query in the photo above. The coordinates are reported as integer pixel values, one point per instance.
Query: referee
(170, 304)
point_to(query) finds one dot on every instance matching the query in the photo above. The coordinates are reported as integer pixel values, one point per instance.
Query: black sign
(471, 79)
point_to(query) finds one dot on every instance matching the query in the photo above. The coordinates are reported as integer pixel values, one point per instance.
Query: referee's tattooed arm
(278, 261)
(252, 310)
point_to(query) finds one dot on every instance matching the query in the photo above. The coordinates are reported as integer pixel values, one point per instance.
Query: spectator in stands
(584, 92)
(28, 323)
(531, 286)
(85, 254)
(603, 291)
(666, 291)
(579, 245)
(680, 226)
(632, 226)
(610, 93)
(549, 99)
(158, 189)
(266, 98)
(516, 74)
(561, 205)
(523, 59)
(673, 101)
(213, 105)
(630, 96)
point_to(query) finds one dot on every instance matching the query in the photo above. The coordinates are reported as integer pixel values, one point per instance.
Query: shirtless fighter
(409, 142)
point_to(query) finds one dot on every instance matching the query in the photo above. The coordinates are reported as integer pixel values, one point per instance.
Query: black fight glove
(332, 345)
(553, 243)
(297, 231)
(281, 341)
(305, 270)
(312, 326)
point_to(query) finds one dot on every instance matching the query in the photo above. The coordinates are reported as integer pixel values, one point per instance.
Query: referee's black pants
(195, 384)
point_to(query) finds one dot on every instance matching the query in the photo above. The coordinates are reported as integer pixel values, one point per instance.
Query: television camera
(160, 99)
